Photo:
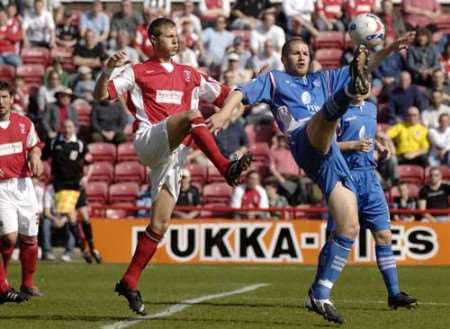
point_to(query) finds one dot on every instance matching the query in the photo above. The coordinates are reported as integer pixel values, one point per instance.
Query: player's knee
(160, 224)
(352, 229)
(9, 241)
(383, 237)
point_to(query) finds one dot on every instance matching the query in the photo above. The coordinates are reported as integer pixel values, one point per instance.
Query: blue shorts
(324, 169)
(372, 206)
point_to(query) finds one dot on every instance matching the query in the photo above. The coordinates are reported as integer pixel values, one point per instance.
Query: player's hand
(117, 60)
(37, 168)
(363, 145)
(404, 41)
(216, 122)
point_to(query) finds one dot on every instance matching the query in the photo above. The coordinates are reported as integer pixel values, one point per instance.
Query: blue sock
(388, 268)
(332, 260)
(336, 105)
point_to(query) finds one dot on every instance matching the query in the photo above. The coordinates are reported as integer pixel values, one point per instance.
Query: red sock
(145, 250)
(28, 260)
(206, 142)
(6, 251)
(4, 286)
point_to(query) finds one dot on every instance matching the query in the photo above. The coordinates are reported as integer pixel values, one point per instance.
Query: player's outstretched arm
(219, 119)
(34, 156)
(101, 87)
(400, 43)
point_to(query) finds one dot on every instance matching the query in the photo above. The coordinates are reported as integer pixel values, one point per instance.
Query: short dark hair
(4, 85)
(287, 45)
(271, 181)
(155, 27)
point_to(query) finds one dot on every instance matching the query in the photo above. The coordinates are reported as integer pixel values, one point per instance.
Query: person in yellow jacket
(411, 139)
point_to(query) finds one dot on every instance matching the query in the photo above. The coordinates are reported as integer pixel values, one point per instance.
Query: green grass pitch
(80, 296)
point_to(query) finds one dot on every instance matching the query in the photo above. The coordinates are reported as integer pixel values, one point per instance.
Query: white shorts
(152, 146)
(19, 211)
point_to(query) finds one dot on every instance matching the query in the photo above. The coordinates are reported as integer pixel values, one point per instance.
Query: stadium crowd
(53, 55)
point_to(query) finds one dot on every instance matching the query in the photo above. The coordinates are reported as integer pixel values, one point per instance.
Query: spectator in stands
(108, 120)
(387, 164)
(10, 37)
(122, 43)
(268, 59)
(281, 158)
(440, 142)
(434, 196)
(84, 87)
(216, 41)
(358, 7)
(89, 53)
(21, 95)
(403, 201)
(57, 113)
(275, 200)
(125, 19)
(57, 66)
(188, 13)
(185, 55)
(192, 40)
(229, 78)
(430, 117)
(440, 81)
(46, 93)
(211, 10)
(298, 9)
(330, 15)
(421, 13)
(238, 47)
(411, 139)
(39, 27)
(387, 74)
(302, 28)
(445, 61)
(233, 65)
(144, 199)
(97, 21)
(52, 220)
(67, 34)
(245, 13)
(189, 196)
(267, 30)
(141, 42)
(250, 195)
(232, 138)
(393, 20)
(163, 6)
(402, 97)
(423, 57)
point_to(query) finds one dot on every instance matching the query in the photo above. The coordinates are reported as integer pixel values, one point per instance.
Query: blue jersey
(357, 123)
(294, 100)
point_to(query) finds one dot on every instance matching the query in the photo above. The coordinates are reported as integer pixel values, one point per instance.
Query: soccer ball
(367, 29)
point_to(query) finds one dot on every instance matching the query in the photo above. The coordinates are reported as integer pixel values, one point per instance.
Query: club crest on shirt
(22, 129)
(187, 75)
(306, 97)
(316, 83)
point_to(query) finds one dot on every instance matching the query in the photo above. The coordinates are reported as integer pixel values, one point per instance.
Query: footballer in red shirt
(164, 98)
(20, 158)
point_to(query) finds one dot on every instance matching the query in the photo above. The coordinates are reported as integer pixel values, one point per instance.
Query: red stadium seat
(217, 193)
(84, 110)
(209, 211)
(97, 192)
(102, 152)
(260, 153)
(7, 72)
(123, 192)
(214, 176)
(329, 58)
(101, 172)
(31, 73)
(411, 173)
(120, 213)
(126, 152)
(259, 133)
(329, 39)
(348, 44)
(412, 188)
(35, 55)
(443, 24)
(198, 173)
(66, 56)
(129, 171)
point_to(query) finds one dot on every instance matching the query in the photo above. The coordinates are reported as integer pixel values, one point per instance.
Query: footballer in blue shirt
(356, 139)
(307, 108)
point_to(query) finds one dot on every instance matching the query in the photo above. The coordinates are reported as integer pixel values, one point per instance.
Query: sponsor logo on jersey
(306, 97)
(11, 148)
(169, 97)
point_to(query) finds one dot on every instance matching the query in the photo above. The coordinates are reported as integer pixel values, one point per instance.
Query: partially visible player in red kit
(20, 158)
(164, 97)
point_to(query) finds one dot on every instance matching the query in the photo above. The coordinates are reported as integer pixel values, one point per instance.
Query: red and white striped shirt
(156, 91)
(17, 137)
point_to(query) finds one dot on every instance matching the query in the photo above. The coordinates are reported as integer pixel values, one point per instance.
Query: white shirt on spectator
(239, 191)
(259, 36)
(257, 62)
(186, 57)
(302, 8)
(440, 140)
(38, 28)
(165, 5)
(430, 117)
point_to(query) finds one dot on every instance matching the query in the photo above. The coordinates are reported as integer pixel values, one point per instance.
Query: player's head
(295, 56)
(5, 99)
(163, 36)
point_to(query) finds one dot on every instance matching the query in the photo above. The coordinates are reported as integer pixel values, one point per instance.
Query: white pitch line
(181, 306)
(385, 302)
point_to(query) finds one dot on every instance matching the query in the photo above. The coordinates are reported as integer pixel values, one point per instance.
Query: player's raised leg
(388, 269)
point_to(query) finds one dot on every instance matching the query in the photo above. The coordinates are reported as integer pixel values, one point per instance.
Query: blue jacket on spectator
(390, 67)
(401, 100)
